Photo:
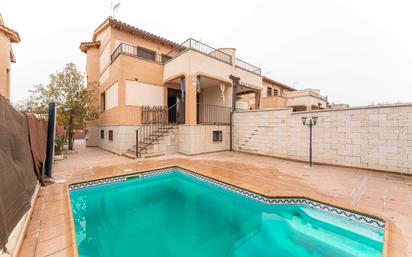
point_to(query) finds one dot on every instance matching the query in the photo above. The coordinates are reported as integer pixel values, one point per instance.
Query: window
(103, 102)
(269, 91)
(217, 136)
(110, 135)
(275, 92)
(102, 134)
(146, 53)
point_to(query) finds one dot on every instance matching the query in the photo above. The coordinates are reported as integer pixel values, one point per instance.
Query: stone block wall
(377, 137)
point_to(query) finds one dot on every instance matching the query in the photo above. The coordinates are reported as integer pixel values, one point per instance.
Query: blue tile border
(264, 199)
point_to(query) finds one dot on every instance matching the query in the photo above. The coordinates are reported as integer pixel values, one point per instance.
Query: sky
(357, 52)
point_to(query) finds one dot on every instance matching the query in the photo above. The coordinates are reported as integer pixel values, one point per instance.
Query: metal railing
(200, 47)
(156, 122)
(135, 51)
(213, 114)
(247, 66)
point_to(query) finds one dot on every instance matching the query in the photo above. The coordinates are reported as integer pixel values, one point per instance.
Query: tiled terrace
(50, 232)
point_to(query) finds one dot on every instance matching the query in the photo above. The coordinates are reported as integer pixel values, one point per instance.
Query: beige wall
(371, 137)
(199, 139)
(143, 94)
(5, 65)
(213, 95)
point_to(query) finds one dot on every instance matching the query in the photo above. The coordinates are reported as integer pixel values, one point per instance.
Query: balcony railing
(135, 51)
(247, 66)
(213, 114)
(200, 47)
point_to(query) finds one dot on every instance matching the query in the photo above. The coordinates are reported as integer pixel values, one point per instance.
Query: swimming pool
(175, 212)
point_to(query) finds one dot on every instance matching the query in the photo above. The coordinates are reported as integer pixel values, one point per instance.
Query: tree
(67, 89)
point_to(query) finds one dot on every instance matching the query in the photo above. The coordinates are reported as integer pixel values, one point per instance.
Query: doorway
(176, 106)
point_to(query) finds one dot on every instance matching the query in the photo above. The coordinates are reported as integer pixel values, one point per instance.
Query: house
(277, 95)
(157, 96)
(7, 37)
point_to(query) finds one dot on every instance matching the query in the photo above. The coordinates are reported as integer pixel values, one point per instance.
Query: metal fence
(213, 114)
(136, 51)
(247, 66)
(200, 47)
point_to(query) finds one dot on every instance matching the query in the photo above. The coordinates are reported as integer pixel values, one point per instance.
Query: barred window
(102, 134)
(110, 135)
(217, 136)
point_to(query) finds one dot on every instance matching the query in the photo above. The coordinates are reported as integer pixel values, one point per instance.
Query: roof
(84, 46)
(277, 83)
(110, 21)
(12, 34)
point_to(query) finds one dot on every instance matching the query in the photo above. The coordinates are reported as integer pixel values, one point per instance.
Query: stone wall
(378, 137)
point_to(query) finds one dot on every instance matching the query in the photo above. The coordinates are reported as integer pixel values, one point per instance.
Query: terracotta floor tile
(54, 245)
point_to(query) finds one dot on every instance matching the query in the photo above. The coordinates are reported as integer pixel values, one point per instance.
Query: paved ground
(50, 232)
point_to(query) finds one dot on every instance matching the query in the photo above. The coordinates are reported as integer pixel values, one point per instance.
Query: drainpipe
(235, 83)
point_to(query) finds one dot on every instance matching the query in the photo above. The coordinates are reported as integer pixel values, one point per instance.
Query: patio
(50, 232)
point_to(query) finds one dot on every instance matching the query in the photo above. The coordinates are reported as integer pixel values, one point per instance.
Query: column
(190, 100)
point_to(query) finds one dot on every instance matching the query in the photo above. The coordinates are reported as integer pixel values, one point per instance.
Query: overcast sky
(355, 51)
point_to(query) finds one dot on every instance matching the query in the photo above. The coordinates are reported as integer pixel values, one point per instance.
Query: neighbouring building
(157, 96)
(275, 95)
(7, 37)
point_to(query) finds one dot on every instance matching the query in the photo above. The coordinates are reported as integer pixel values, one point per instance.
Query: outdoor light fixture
(304, 120)
(312, 122)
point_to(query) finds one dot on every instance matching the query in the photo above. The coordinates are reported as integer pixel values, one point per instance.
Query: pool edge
(342, 204)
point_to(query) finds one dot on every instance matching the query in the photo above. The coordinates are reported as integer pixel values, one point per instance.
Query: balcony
(306, 99)
(248, 67)
(193, 57)
(137, 51)
(200, 47)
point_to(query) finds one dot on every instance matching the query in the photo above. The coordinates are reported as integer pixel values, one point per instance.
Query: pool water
(175, 214)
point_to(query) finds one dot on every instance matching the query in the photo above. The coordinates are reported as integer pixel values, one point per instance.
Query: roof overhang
(12, 34)
(126, 27)
(84, 46)
(277, 83)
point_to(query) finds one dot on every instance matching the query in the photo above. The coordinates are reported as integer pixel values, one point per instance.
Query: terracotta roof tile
(84, 46)
(12, 34)
(125, 26)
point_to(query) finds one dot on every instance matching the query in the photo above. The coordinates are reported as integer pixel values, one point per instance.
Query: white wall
(377, 138)
(104, 59)
(139, 93)
(213, 95)
(112, 96)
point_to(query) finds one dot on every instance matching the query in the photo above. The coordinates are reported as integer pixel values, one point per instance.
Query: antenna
(115, 8)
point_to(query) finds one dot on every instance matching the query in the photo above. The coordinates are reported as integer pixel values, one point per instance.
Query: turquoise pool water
(178, 215)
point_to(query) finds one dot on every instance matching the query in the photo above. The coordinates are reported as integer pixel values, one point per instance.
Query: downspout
(235, 83)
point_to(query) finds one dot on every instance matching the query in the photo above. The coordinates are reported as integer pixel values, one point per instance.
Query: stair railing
(154, 126)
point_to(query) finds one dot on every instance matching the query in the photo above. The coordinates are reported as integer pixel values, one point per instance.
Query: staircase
(247, 143)
(156, 134)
